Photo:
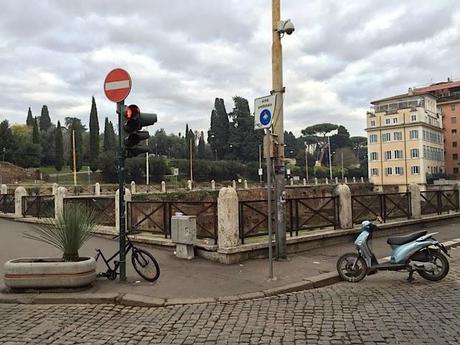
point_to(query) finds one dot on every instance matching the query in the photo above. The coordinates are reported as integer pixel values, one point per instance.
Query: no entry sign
(117, 85)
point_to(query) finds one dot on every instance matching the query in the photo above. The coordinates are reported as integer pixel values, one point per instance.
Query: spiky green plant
(68, 232)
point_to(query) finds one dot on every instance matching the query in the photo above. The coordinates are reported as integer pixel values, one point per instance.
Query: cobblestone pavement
(382, 309)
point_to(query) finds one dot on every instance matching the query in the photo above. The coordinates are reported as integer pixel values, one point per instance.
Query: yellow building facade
(405, 141)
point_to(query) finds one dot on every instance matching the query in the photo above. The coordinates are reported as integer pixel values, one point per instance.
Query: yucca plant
(68, 232)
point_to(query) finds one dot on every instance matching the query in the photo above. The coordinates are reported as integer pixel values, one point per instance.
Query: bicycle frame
(99, 252)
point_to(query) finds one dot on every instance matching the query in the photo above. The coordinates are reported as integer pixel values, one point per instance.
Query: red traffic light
(132, 111)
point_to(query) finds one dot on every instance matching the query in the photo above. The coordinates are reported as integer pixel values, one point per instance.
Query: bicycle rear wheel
(145, 264)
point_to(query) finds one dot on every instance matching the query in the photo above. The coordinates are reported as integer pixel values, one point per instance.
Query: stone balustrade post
(291, 181)
(234, 184)
(327, 180)
(4, 189)
(133, 187)
(213, 185)
(18, 194)
(304, 181)
(316, 180)
(55, 188)
(336, 180)
(345, 208)
(245, 184)
(189, 185)
(59, 197)
(345, 180)
(228, 218)
(354, 179)
(415, 201)
(362, 179)
(117, 207)
(97, 189)
(163, 186)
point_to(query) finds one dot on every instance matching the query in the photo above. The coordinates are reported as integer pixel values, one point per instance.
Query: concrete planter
(45, 272)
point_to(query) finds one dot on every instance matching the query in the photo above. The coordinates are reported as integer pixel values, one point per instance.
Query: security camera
(286, 26)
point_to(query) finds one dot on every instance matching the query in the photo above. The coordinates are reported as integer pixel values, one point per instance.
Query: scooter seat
(398, 240)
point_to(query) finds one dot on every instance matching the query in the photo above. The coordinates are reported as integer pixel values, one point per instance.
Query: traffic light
(134, 121)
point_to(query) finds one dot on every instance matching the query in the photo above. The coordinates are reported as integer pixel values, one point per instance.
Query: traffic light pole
(121, 190)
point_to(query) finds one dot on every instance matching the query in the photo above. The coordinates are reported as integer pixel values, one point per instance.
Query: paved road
(382, 309)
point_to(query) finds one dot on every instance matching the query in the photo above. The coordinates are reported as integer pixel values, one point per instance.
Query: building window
(415, 170)
(399, 171)
(387, 155)
(413, 134)
(395, 120)
(454, 132)
(374, 156)
(374, 172)
(372, 123)
(386, 137)
(414, 153)
(452, 107)
(454, 144)
(455, 170)
(453, 119)
(413, 118)
(397, 135)
(373, 138)
(389, 171)
(455, 156)
(398, 154)
(387, 121)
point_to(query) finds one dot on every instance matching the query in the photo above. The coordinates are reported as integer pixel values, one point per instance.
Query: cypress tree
(59, 148)
(201, 147)
(35, 132)
(45, 121)
(110, 140)
(93, 136)
(30, 118)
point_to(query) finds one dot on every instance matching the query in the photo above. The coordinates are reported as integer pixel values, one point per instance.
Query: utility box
(183, 233)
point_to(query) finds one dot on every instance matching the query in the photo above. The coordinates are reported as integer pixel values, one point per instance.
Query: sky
(182, 54)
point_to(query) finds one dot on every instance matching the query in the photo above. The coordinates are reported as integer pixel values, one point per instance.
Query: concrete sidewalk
(197, 280)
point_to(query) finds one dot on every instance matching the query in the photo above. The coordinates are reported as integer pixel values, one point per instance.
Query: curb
(135, 300)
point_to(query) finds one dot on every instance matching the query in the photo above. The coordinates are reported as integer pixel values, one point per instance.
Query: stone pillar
(61, 193)
(291, 181)
(18, 194)
(415, 201)
(163, 186)
(97, 189)
(189, 185)
(4, 189)
(336, 180)
(117, 207)
(245, 184)
(213, 185)
(133, 187)
(304, 181)
(345, 211)
(55, 188)
(345, 180)
(227, 217)
(354, 179)
(316, 180)
(327, 180)
(234, 184)
(362, 179)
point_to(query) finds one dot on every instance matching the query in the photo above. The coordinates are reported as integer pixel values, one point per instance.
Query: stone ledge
(65, 298)
(140, 301)
(176, 301)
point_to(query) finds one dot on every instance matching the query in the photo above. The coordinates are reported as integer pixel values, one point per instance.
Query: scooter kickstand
(411, 278)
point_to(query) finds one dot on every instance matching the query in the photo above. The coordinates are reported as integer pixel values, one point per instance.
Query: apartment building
(448, 99)
(405, 140)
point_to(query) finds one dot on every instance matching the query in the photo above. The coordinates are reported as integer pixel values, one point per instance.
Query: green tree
(59, 148)
(110, 142)
(317, 135)
(219, 133)
(30, 118)
(359, 145)
(45, 121)
(75, 126)
(93, 136)
(48, 146)
(341, 139)
(201, 147)
(7, 141)
(35, 133)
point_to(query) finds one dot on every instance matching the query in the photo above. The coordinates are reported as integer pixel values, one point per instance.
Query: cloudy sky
(182, 54)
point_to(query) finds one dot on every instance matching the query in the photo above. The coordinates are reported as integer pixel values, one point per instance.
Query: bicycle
(140, 258)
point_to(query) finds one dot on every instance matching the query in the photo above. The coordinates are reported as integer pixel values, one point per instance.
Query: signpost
(263, 118)
(117, 86)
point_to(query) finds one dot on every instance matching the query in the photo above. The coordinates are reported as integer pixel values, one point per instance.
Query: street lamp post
(341, 159)
(306, 164)
(330, 158)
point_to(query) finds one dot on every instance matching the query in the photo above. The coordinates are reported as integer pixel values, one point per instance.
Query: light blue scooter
(416, 252)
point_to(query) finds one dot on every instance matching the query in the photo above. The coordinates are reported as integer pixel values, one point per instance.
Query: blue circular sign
(265, 117)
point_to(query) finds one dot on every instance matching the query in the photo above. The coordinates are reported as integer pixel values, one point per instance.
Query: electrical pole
(147, 172)
(74, 159)
(330, 158)
(260, 164)
(342, 163)
(191, 160)
(278, 129)
(306, 164)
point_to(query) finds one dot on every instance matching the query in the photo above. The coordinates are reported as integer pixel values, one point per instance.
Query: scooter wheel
(351, 267)
(442, 266)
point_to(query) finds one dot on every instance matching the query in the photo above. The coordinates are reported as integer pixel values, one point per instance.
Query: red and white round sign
(117, 85)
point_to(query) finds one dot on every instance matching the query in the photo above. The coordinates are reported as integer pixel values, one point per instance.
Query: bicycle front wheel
(145, 264)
